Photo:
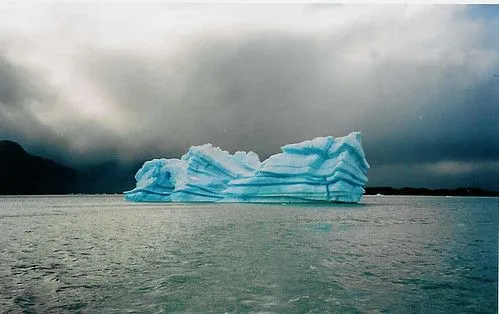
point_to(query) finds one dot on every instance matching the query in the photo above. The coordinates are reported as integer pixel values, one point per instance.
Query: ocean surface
(100, 254)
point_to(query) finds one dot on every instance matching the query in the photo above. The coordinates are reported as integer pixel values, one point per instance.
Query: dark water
(392, 254)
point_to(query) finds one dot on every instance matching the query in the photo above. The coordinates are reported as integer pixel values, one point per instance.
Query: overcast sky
(90, 82)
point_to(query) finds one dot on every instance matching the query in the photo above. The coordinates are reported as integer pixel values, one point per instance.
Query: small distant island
(26, 174)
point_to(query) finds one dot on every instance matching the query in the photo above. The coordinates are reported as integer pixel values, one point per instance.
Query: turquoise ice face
(323, 169)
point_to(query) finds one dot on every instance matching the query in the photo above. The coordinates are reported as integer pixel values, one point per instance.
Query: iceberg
(324, 169)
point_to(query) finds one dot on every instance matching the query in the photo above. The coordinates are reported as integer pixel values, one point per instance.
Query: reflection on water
(395, 254)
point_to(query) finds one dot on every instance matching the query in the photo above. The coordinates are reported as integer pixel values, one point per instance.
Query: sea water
(101, 254)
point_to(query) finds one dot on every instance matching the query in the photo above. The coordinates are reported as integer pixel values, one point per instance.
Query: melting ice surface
(323, 169)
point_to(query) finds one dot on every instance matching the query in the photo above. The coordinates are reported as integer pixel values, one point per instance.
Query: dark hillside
(23, 173)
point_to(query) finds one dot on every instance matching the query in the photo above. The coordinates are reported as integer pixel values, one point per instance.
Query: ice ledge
(323, 169)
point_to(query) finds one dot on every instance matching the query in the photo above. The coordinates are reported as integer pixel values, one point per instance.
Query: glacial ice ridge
(323, 169)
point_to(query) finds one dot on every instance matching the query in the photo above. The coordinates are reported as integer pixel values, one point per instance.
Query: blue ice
(323, 169)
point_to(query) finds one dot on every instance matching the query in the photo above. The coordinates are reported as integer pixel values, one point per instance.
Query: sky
(84, 83)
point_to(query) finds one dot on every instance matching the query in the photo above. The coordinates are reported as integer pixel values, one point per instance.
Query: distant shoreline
(429, 192)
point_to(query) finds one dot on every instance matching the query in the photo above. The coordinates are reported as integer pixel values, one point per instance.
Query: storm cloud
(87, 82)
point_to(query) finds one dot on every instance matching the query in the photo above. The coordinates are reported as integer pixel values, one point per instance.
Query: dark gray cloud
(18, 90)
(23, 94)
(418, 82)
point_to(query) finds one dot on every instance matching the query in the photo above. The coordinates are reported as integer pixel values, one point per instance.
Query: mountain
(23, 173)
